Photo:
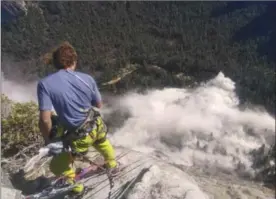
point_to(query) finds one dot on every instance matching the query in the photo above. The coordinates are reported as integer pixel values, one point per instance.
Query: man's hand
(45, 125)
(98, 105)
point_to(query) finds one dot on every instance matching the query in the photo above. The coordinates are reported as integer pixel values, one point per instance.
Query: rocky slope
(153, 178)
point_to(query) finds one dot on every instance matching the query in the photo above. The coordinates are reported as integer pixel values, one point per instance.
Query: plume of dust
(196, 127)
(19, 92)
(202, 127)
(18, 80)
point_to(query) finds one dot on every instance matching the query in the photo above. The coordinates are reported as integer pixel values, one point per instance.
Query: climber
(74, 96)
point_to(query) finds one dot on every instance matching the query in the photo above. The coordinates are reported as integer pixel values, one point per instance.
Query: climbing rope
(111, 183)
(109, 176)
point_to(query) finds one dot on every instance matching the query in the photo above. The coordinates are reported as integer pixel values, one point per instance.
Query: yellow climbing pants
(61, 164)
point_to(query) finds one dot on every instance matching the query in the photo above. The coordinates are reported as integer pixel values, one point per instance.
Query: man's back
(70, 93)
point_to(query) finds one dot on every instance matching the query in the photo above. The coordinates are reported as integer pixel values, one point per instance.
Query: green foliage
(19, 127)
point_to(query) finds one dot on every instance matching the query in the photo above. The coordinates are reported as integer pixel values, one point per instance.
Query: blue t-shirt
(70, 93)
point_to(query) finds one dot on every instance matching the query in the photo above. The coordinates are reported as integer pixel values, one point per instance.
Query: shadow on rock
(29, 186)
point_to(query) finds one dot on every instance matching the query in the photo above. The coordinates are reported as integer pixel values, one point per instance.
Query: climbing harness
(93, 126)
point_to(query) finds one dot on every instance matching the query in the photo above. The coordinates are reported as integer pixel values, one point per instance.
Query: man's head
(64, 56)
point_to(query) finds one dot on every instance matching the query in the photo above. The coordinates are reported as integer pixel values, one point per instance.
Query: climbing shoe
(77, 195)
(115, 170)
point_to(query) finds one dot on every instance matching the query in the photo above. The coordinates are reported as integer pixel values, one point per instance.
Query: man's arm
(45, 107)
(45, 124)
(97, 98)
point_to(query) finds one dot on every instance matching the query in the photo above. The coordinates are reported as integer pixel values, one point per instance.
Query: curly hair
(62, 57)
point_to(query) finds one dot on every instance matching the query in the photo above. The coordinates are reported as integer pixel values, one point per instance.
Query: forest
(187, 41)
